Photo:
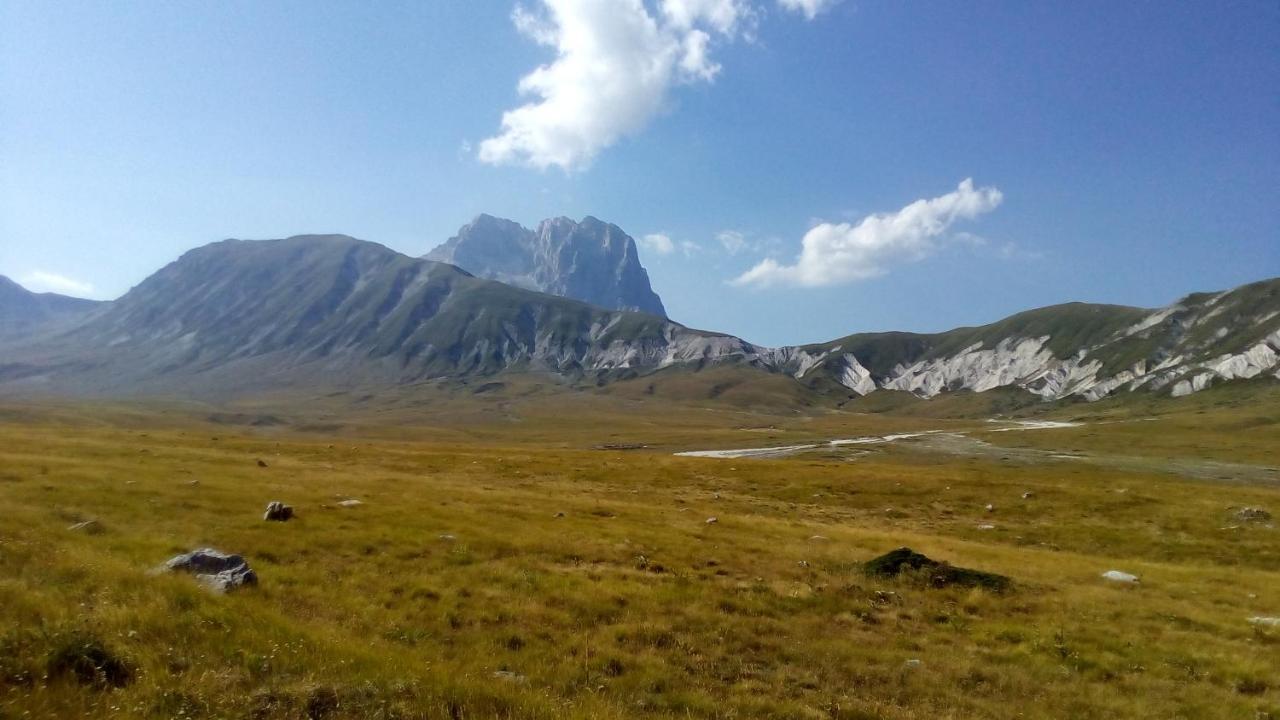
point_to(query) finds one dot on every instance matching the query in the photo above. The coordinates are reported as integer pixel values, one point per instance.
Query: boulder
(215, 570)
(278, 511)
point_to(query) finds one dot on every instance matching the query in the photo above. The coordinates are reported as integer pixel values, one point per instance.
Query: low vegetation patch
(905, 561)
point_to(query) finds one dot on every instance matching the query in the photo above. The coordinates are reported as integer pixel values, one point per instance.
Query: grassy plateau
(529, 554)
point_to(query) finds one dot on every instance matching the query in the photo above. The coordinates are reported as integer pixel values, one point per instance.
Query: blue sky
(1119, 152)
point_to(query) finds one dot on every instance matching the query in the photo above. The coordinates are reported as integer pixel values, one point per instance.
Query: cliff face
(591, 261)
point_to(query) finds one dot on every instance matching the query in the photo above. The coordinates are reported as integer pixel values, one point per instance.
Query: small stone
(350, 503)
(193, 483)
(448, 538)
(559, 514)
(986, 527)
(1265, 621)
(1028, 495)
(1252, 514)
(509, 676)
(278, 511)
(262, 463)
(88, 527)
(712, 521)
(912, 663)
(1120, 577)
(819, 538)
(991, 508)
(803, 563)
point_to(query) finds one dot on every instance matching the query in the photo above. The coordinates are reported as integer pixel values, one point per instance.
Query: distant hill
(591, 261)
(332, 311)
(24, 314)
(1076, 349)
(315, 313)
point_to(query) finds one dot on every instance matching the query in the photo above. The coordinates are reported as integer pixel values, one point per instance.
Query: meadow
(530, 555)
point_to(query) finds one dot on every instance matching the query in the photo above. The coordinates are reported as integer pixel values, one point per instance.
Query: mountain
(321, 312)
(591, 261)
(24, 313)
(1072, 350)
(332, 311)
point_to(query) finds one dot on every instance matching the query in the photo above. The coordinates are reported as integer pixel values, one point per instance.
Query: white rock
(1117, 576)
(1265, 621)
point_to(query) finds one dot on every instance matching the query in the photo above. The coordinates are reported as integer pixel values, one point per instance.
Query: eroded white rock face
(1012, 361)
(855, 377)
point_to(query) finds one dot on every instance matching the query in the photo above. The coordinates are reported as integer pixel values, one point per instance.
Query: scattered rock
(819, 538)
(912, 663)
(884, 597)
(262, 463)
(1265, 621)
(991, 508)
(986, 527)
(939, 574)
(1251, 514)
(193, 483)
(712, 521)
(350, 503)
(1028, 495)
(559, 514)
(215, 570)
(88, 527)
(1121, 577)
(509, 676)
(278, 511)
(448, 538)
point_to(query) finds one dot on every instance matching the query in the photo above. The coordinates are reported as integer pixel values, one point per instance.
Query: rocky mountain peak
(588, 260)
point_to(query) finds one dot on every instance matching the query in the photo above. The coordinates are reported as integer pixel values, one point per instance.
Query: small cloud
(1013, 251)
(689, 247)
(40, 281)
(660, 243)
(834, 254)
(732, 241)
(808, 8)
(968, 238)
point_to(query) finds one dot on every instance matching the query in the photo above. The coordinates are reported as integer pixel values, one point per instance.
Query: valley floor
(556, 561)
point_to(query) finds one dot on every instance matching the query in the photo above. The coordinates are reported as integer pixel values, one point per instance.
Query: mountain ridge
(319, 311)
(24, 313)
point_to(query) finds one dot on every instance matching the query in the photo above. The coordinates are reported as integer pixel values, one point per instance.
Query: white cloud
(808, 8)
(689, 247)
(832, 254)
(615, 64)
(732, 241)
(40, 281)
(659, 243)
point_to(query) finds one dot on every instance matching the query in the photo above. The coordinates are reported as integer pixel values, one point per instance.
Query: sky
(793, 170)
